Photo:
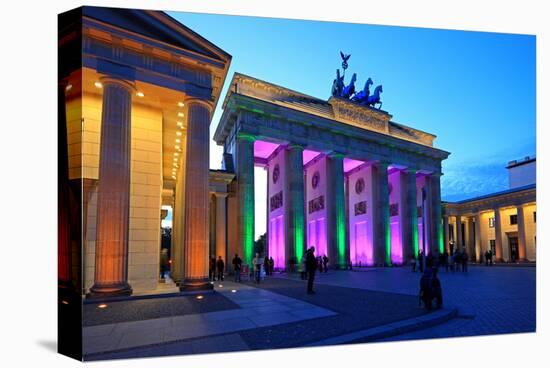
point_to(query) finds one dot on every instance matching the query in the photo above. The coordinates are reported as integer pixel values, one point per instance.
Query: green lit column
(381, 215)
(294, 216)
(436, 245)
(245, 193)
(336, 215)
(409, 215)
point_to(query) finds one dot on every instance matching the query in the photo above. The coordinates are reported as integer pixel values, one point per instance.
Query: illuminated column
(178, 225)
(498, 236)
(446, 232)
(113, 199)
(295, 222)
(521, 234)
(459, 242)
(221, 226)
(409, 215)
(196, 237)
(245, 195)
(436, 231)
(381, 215)
(478, 246)
(336, 215)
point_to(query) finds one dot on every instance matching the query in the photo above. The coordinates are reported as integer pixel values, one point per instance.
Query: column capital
(190, 101)
(246, 137)
(335, 154)
(110, 80)
(220, 194)
(295, 146)
(382, 163)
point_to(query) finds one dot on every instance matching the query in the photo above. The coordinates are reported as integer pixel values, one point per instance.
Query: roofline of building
(520, 163)
(496, 194)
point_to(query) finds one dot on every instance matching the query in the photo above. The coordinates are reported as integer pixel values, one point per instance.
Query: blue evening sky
(474, 90)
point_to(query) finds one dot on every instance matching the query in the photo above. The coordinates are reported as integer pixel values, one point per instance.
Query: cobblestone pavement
(490, 300)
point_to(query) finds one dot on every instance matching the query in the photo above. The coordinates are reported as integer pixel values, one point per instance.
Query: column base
(196, 285)
(107, 291)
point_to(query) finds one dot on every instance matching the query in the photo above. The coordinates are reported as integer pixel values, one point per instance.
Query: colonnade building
(136, 94)
(503, 222)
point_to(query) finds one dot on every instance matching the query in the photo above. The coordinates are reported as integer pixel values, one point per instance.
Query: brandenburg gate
(342, 176)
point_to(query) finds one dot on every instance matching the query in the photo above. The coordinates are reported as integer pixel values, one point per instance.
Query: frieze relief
(361, 116)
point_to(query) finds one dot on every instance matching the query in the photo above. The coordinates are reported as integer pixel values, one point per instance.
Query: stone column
(178, 226)
(521, 235)
(113, 199)
(471, 244)
(436, 241)
(459, 242)
(446, 232)
(221, 236)
(245, 196)
(381, 215)
(295, 214)
(196, 237)
(478, 246)
(409, 215)
(336, 217)
(498, 236)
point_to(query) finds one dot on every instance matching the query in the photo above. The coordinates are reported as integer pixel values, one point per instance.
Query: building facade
(137, 92)
(503, 222)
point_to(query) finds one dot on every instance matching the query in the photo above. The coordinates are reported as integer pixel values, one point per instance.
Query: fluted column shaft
(436, 241)
(459, 241)
(196, 238)
(522, 240)
(336, 211)
(478, 245)
(295, 221)
(498, 236)
(381, 214)
(245, 194)
(409, 215)
(113, 199)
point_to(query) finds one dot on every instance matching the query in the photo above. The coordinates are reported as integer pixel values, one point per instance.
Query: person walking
(325, 263)
(212, 268)
(271, 265)
(311, 267)
(237, 262)
(220, 266)
(257, 262)
(490, 257)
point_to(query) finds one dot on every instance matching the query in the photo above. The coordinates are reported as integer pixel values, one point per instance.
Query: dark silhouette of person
(219, 266)
(464, 261)
(237, 262)
(430, 289)
(311, 267)
(325, 262)
(266, 265)
(271, 265)
(421, 261)
(486, 258)
(437, 293)
(490, 257)
(212, 268)
(320, 263)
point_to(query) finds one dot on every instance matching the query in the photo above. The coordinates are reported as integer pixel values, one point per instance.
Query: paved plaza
(349, 306)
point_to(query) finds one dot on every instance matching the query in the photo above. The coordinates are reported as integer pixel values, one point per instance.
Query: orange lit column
(196, 237)
(521, 235)
(113, 199)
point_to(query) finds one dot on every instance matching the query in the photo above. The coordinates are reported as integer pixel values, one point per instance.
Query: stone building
(502, 222)
(137, 92)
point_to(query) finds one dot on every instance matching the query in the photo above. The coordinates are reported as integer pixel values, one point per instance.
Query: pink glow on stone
(396, 246)
(309, 155)
(263, 149)
(350, 164)
(361, 249)
(277, 242)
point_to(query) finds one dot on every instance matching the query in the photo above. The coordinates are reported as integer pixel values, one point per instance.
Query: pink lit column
(113, 199)
(196, 237)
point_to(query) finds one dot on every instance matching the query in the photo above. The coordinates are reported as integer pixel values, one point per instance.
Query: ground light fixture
(102, 306)
(200, 297)
(233, 291)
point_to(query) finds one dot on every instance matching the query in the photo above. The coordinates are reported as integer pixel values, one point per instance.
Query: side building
(503, 222)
